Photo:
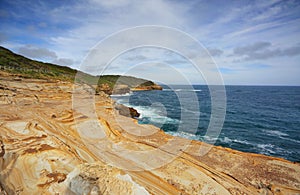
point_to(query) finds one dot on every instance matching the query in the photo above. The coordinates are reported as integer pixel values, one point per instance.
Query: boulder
(127, 111)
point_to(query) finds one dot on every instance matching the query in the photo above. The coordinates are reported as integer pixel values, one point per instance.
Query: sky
(246, 42)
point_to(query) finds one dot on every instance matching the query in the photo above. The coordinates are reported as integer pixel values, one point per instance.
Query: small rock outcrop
(118, 89)
(123, 89)
(147, 88)
(57, 145)
(127, 111)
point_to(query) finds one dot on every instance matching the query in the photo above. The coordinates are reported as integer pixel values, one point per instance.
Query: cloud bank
(264, 50)
(236, 33)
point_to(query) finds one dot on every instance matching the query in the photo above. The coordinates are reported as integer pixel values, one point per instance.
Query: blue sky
(252, 42)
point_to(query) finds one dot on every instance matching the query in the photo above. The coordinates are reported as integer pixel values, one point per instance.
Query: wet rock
(127, 111)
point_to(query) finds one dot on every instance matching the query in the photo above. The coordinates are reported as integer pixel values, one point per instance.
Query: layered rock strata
(52, 142)
(147, 88)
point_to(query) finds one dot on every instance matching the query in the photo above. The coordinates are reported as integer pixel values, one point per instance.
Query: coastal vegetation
(23, 67)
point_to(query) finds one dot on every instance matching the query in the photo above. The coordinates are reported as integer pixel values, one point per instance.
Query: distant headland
(50, 146)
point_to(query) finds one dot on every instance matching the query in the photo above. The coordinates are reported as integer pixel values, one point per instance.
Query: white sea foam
(155, 114)
(208, 138)
(182, 90)
(242, 141)
(184, 135)
(121, 95)
(271, 149)
(228, 141)
(274, 132)
(266, 148)
(291, 140)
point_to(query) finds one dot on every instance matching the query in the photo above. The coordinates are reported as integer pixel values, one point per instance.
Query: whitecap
(154, 115)
(275, 132)
(266, 148)
(121, 95)
(208, 138)
(242, 142)
(182, 90)
(291, 140)
(183, 135)
(226, 140)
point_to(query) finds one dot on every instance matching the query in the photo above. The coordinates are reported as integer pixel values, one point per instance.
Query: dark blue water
(259, 119)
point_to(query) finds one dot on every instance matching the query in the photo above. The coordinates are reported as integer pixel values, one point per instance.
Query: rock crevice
(48, 146)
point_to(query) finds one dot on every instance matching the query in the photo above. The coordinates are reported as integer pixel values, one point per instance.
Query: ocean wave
(275, 132)
(266, 148)
(154, 115)
(228, 141)
(151, 114)
(182, 90)
(184, 135)
(270, 149)
(291, 140)
(247, 124)
(121, 95)
(209, 139)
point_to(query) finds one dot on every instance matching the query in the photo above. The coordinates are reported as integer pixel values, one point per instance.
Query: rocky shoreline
(123, 89)
(127, 111)
(147, 88)
(51, 143)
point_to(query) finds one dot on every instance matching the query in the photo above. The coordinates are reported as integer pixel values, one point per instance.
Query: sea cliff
(50, 146)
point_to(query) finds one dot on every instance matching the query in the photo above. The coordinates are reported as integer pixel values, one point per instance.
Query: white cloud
(37, 53)
(265, 50)
(215, 52)
(74, 28)
(99, 19)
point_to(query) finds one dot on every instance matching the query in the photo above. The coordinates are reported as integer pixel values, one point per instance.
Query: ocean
(259, 119)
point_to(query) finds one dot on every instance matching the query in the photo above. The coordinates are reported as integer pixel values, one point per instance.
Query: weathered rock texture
(146, 88)
(51, 143)
(118, 89)
(127, 111)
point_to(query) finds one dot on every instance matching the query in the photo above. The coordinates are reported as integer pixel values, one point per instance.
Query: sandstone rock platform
(52, 142)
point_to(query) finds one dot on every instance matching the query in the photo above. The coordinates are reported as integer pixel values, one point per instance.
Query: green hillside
(27, 68)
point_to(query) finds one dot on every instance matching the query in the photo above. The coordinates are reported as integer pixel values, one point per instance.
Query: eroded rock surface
(58, 138)
(146, 88)
(127, 111)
